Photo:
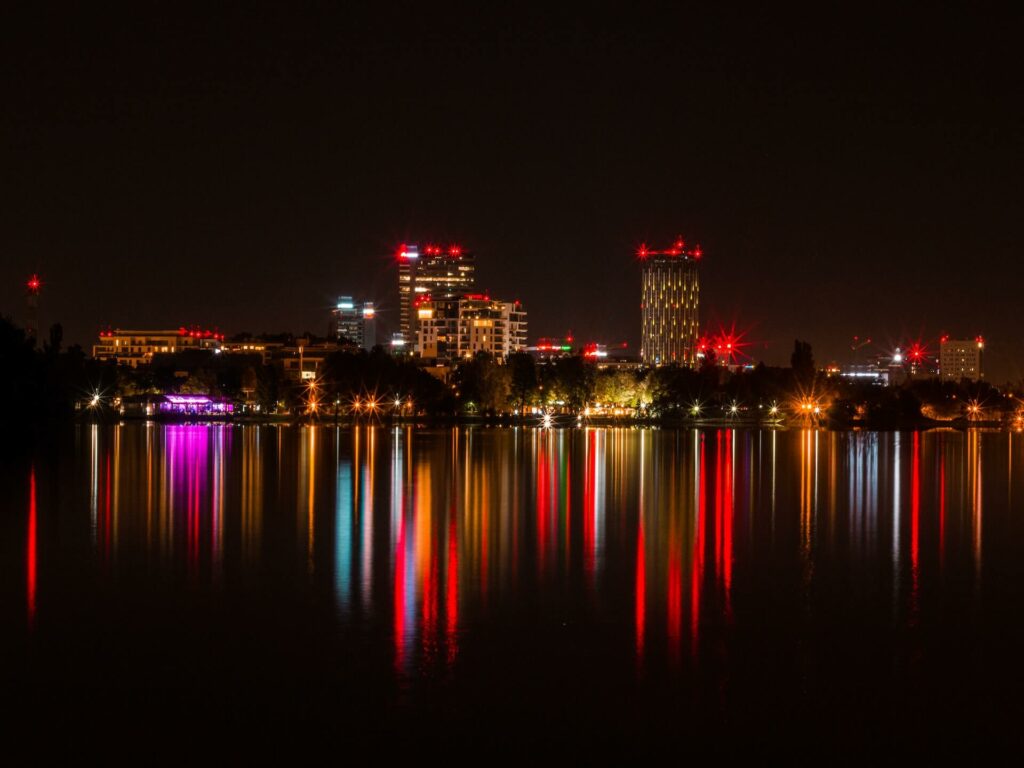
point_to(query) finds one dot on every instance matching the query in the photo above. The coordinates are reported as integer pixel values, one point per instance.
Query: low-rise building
(137, 347)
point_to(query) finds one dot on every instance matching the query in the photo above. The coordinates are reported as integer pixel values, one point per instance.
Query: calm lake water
(607, 592)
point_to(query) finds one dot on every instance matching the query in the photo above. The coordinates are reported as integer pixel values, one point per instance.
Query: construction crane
(858, 344)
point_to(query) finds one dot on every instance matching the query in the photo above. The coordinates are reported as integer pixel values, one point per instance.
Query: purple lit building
(195, 405)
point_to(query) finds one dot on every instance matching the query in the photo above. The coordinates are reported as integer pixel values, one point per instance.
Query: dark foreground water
(477, 592)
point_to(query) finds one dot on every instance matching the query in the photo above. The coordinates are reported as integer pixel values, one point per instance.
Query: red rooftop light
(34, 284)
(678, 249)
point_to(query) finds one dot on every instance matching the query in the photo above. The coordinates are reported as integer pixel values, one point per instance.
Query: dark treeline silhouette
(43, 383)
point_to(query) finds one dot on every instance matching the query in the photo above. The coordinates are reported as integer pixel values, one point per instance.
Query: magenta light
(187, 399)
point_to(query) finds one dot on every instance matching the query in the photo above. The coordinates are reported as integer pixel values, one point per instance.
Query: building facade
(670, 295)
(137, 347)
(461, 326)
(354, 322)
(435, 272)
(960, 358)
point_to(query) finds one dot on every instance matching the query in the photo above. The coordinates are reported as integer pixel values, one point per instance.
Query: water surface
(603, 592)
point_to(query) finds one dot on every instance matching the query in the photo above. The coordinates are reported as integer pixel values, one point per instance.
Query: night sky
(846, 173)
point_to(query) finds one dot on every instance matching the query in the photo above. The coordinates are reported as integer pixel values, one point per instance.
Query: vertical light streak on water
(311, 498)
(94, 479)
(873, 490)
(366, 519)
(700, 547)
(774, 453)
(806, 481)
(150, 443)
(816, 468)
(217, 502)
(397, 496)
(974, 458)
(853, 487)
(423, 584)
(452, 588)
(31, 550)
(640, 617)
(117, 487)
(896, 516)
(171, 480)
(728, 513)
(599, 502)
(343, 538)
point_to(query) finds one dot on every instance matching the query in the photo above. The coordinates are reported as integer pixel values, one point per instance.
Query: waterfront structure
(354, 322)
(434, 271)
(670, 294)
(137, 347)
(460, 326)
(960, 358)
(170, 404)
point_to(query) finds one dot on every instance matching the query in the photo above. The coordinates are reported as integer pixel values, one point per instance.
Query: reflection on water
(667, 545)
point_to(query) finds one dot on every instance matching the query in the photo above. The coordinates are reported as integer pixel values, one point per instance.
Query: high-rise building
(354, 322)
(435, 272)
(960, 358)
(670, 292)
(369, 325)
(346, 321)
(461, 326)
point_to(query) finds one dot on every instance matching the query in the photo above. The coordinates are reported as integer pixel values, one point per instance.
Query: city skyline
(858, 196)
(450, 271)
(511, 379)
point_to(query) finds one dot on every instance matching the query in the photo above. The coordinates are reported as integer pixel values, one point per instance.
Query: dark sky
(847, 173)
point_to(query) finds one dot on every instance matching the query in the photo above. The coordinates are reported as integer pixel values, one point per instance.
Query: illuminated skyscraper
(669, 297)
(354, 322)
(436, 273)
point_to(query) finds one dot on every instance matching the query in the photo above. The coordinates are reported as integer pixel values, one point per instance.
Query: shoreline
(559, 422)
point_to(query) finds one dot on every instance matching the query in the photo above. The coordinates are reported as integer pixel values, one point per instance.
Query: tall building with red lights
(670, 294)
(436, 272)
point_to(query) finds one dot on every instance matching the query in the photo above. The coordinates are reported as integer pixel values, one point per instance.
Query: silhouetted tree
(802, 363)
(524, 378)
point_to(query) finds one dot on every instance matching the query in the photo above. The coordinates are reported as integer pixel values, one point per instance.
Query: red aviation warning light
(455, 250)
(677, 249)
(34, 285)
